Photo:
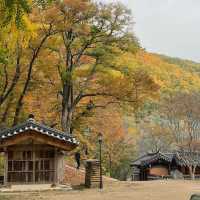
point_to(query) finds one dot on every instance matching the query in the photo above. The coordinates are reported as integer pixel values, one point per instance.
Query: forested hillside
(77, 66)
(186, 64)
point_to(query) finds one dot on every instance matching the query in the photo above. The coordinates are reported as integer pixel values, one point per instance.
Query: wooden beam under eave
(45, 139)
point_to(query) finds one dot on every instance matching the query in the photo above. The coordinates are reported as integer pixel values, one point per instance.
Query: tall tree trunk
(6, 111)
(28, 79)
(67, 108)
(67, 121)
(68, 96)
(8, 90)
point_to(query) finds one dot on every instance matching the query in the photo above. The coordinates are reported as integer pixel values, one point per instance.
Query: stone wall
(74, 176)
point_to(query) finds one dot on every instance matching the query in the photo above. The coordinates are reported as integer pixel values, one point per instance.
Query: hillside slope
(188, 65)
(171, 74)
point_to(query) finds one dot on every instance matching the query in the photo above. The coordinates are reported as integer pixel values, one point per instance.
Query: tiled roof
(31, 124)
(186, 158)
(158, 156)
(151, 157)
(141, 159)
(181, 158)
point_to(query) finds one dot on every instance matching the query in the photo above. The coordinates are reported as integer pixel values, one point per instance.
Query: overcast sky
(170, 27)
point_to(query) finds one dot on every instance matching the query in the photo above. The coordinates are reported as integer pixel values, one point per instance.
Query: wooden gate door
(31, 166)
(20, 166)
(44, 166)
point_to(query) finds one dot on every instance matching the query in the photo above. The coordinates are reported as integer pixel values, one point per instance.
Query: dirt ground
(155, 190)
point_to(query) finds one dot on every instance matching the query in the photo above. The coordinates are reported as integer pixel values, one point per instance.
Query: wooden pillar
(169, 169)
(34, 163)
(143, 174)
(5, 167)
(55, 167)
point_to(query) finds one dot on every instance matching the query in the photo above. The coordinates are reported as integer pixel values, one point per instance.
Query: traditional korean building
(163, 165)
(34, 153)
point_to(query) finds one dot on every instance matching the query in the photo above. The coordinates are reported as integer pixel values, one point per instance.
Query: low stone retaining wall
(74, 176)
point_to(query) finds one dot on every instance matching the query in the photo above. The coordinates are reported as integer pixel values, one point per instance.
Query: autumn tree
(34, 48)
(92, 34)
(136, 88)
(154, 138)
(10, 68)
(181, 113)
(22, 49)
(118, 143)
(13, 11)
(7, 83)
(16, 11)
(86, 61)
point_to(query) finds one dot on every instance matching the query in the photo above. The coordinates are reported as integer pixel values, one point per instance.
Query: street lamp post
(100, 140)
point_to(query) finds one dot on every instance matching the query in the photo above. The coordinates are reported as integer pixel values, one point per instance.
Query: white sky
(170, 27)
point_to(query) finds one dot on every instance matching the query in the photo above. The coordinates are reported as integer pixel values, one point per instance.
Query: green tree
(92, 35)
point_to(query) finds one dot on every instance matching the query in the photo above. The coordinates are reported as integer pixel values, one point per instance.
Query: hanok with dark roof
(34, 153)
(162, 165)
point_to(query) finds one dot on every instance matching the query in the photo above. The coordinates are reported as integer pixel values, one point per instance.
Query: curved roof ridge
(52, 129)
(41, 128)
(149, 157)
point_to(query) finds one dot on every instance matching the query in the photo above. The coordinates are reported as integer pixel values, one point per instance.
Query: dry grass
(156, 190)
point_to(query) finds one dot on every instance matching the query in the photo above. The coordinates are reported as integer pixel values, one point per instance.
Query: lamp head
(100, 137)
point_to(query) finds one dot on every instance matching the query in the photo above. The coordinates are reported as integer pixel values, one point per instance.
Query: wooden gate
(36, 166)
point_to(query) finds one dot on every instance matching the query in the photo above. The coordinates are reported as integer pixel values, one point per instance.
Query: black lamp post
(87, 133)
(100, 140)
